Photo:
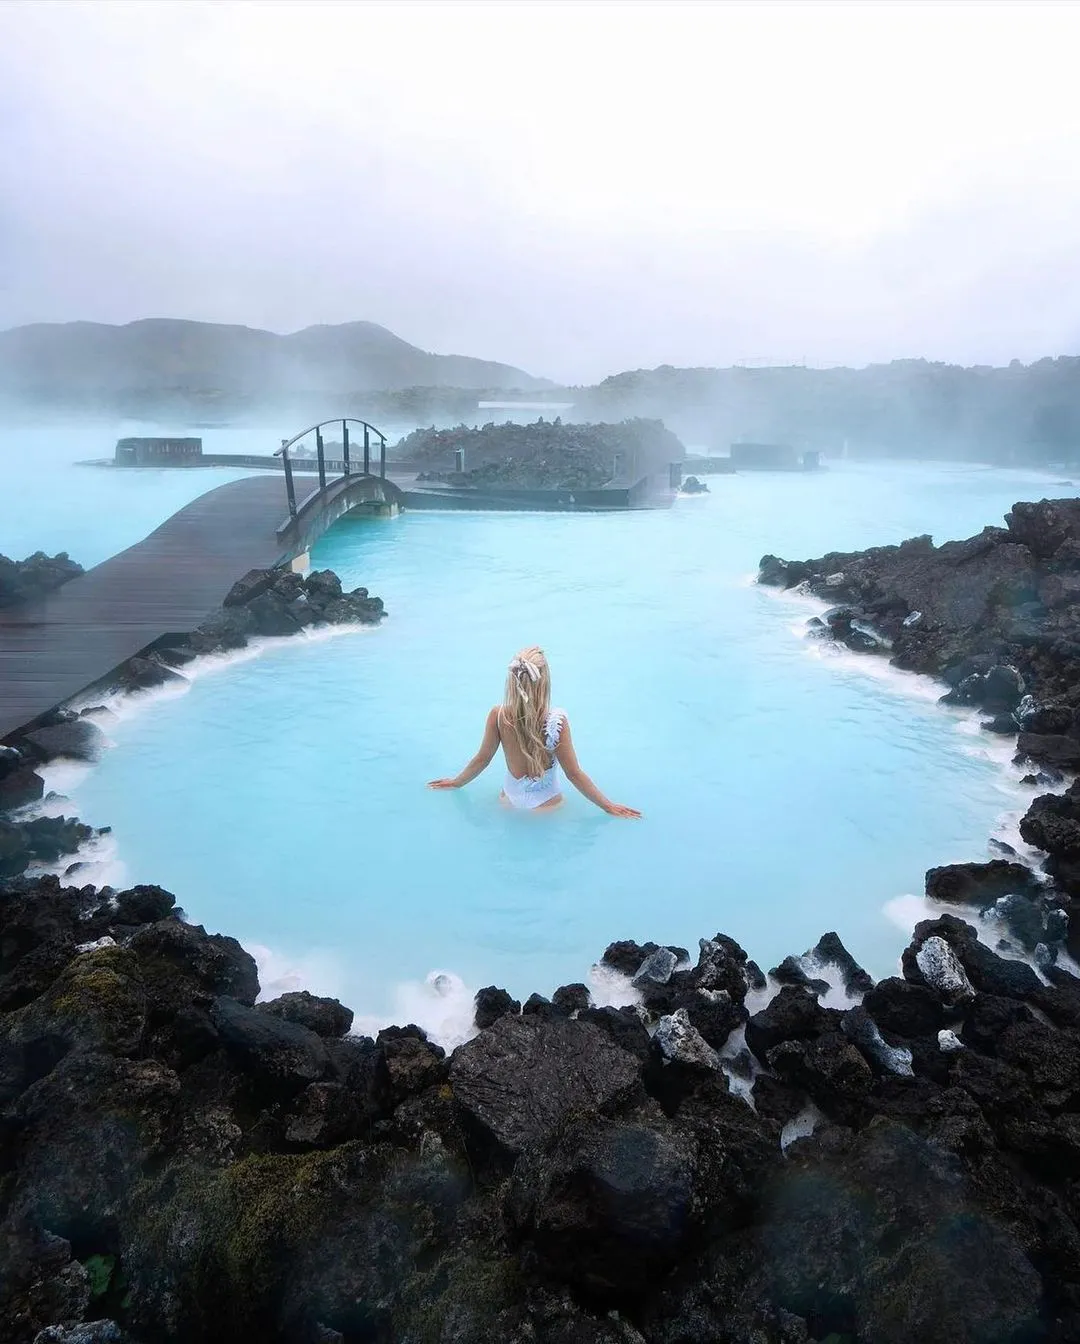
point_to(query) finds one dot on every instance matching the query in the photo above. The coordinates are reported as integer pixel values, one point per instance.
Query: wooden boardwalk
(52, 649)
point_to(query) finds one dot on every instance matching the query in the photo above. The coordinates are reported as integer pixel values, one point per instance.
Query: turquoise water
(785, 792)
(49, 504)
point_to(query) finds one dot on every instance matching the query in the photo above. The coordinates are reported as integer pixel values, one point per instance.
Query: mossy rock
(334, 1236)
(98, 1002)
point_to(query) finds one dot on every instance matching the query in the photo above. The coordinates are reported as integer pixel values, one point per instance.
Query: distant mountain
(202, 361)
(908, 408)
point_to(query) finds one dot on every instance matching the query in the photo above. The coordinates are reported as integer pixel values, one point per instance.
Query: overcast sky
(573, 188)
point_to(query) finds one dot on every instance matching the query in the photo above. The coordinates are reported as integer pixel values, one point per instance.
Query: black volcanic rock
(518, 1081)
(794, 1014)
(905, 1008)
(325, 1017)
(980, 884)
(491, 1004)
(37, 575)
(186, 965)
(282, 1055)
(78, 740)
(19, 787)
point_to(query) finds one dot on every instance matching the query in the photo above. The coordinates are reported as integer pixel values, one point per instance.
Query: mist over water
(786, 791)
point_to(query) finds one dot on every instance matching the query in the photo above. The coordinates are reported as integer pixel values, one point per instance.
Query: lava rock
(325, 1017)
(712, 1014)
(722, 965)
(624, 1026)
(281, 1055)
(570, 999)
(885, 1240)
(627, 956)
(794, 1014)
(860, 1028)
(792, 972)
(980, 884)
(537, 1006)
(517, 1082)
(830, 951)
(937, 964)
(272, 616)
(491, 1004)
(183, 964)
(680, 1042)
(20, 787)
(905, 1008)
(831, 1069)
(34, 577)
(323, 585)
(413, 1063)
(79, 740)
(611, 1206)
(656, 969)
(254, 583)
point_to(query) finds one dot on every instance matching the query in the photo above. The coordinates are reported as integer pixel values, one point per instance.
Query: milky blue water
(785, 791)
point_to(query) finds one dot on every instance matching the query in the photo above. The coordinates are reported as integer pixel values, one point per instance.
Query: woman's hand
(444, 784)
(617, 810)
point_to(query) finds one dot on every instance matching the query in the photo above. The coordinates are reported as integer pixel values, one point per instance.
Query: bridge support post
(322, 458)
(345, 444)
(367, 451)
(382, 456)
(290, 487)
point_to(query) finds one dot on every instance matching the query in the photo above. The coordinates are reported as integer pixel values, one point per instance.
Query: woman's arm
(567, 758)
(480, 761)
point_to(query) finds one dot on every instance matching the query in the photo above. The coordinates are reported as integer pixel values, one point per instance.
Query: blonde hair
(525, 707)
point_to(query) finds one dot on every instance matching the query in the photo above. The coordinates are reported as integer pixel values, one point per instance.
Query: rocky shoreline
(182, 1163)
(997, 619)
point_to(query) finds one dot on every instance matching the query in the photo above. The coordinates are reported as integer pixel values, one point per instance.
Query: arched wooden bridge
(56, 647)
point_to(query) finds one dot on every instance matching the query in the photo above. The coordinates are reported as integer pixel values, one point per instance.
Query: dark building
(157, 452)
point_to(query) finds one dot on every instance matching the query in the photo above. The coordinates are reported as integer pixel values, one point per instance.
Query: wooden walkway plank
(53, 648)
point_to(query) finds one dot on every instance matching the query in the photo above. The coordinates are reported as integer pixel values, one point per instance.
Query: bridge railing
(320, 453)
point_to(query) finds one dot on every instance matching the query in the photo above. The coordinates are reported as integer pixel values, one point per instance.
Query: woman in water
(535, 740)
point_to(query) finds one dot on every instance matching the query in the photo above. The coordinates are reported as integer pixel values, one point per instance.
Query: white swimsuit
(531, 791)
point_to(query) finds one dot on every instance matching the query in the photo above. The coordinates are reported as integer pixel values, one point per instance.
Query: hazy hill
(911, 407)
(86, 361)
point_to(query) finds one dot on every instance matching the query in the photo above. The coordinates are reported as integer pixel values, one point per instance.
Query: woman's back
(516, 761)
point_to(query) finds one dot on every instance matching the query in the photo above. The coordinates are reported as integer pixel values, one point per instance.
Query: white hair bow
(530, 669)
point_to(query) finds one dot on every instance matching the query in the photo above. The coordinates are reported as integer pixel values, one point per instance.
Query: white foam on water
(319, 972)
(99, 865)
(801, 1127)
(609, 988)
(739, 1085)
(442, 1005)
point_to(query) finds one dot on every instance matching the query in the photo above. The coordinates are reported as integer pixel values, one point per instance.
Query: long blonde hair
(526, 703)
